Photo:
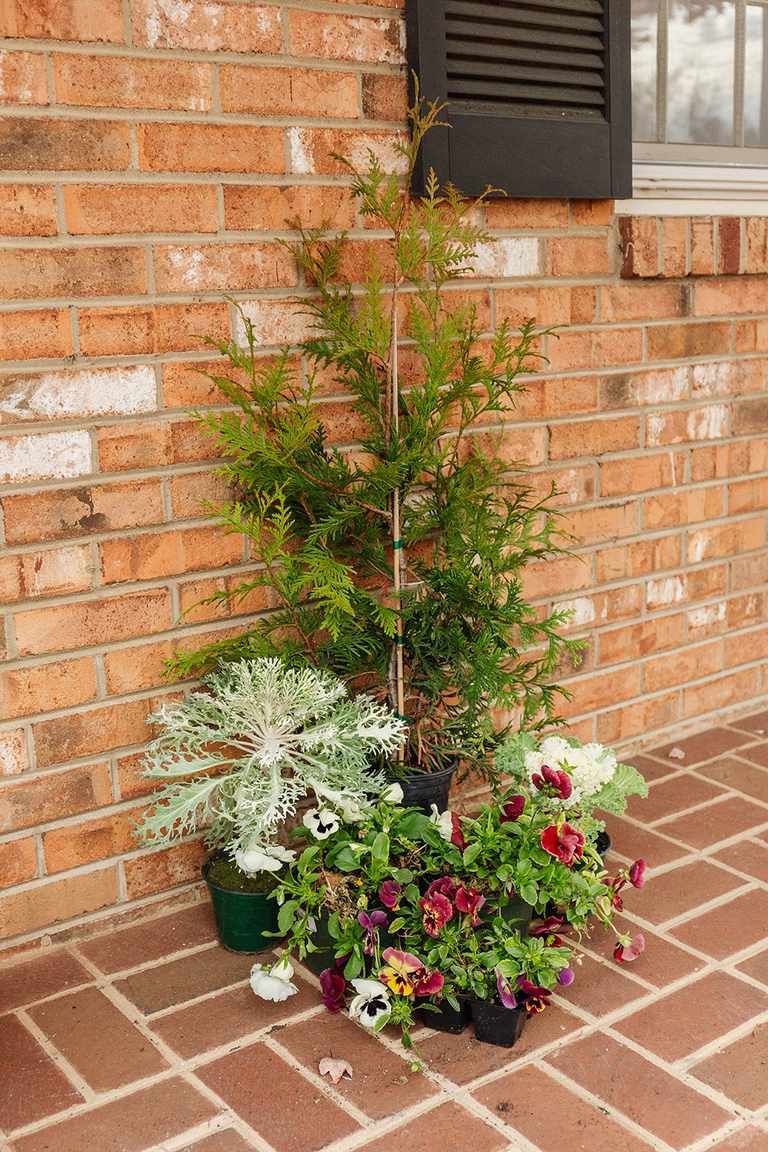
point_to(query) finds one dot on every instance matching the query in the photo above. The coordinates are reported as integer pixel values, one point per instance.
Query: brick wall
(152, 150)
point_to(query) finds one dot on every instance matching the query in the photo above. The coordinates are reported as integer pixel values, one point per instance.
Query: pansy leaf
(353, 967)
(529, 893)
(380, 849)
(285, 916)
(403, 875)
(396, 926)
(503, 874)
(345, 859)
(382, 1023)
(471, 854)
(412, 894)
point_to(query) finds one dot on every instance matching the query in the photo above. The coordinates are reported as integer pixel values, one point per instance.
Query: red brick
(594, 438)
(268, 207)
(726, 297)
(592, 212)
(63, 145)
(103, 209)
(27, 210)
(554, 577)
(43, 573)
(43, 333)
(129, 446)
(13, 754)
(680, 341)
(210, 148)
(746, 647)
(640, 1090)
(288, 91)
(86, 733)
(314, 150)
(97, 1039)
(41, 272)
(731, 689)
(511, 213)
(132, 330)
(573, 485)
(641, 474)
(133, 1122)
(184, 383)
(710, 932)
(747, 496)
(702, 246)
(384, 97)
(52, 901)
(140, 666)
(41, 688)
(735, 459)
(639, 559)
(79, 511)
(63, 20)
(604, 522)
(682, 667)
(750, 416)
(756, 230)
(152, 939)
(662, 386)
(156, 871)
(189, 443)
(188, 489)
(247, 1081)
(729, 251)
(642, 638)
(727, 378)
(18, 861)
(373, 40)
(222, 267)
(749, 572)
(724, 540)
(596, 349)
(673, 229)
(698, 585)
(642, 301)
(207, 26)
(547, 306)
(708, 422)
(148, 557)
(31, 980)
(90, 841)
(724, 616)
(590, 694)
(683, 508)
(115, 82)
(53, 795)
(38, 1088)
(87, 622)
(639, 246)
(550, 1117)
(578, 256)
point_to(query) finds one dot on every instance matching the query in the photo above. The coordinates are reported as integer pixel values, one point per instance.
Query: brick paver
(149, 1038)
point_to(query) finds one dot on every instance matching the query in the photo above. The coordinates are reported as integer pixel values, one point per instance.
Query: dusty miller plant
(320, 520)
(238, 759)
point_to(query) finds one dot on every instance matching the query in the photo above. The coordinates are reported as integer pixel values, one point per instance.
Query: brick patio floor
(148, 1037)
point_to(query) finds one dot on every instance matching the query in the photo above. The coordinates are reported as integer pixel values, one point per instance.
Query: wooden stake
(397, 543)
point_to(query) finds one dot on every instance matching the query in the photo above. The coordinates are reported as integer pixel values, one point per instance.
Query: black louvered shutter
(538, 95)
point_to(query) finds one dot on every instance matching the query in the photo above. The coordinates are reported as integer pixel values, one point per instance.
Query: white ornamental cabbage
(241, 756)
(589, 767)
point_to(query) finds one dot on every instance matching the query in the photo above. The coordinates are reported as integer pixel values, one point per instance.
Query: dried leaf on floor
(336, 1069)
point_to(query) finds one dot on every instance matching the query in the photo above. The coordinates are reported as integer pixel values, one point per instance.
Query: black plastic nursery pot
(242, 918)
(444, 1018)
(517, 914)
(495, 1024)
(325, 956)
(423, 789)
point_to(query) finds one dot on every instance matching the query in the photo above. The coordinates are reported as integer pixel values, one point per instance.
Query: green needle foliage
(320, 520)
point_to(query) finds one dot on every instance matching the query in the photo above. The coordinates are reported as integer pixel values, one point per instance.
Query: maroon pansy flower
(535, 999)
(443, 887)
(333, 985)
(457, 837)
(437, 912)
(627, 949)
(506, 994)
(549, 929)
(554, 781)
(637, 874)
(426, 983)
(371, 923)
(563, 843)
(389, 894)
(469, 901)
(512, 810)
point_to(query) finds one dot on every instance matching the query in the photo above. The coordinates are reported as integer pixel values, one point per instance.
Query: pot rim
(218, 854)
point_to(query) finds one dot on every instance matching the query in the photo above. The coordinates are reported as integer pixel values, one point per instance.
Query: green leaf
(285, 917)
(346, 859)
(396, 926)
(529, 893)
(471, 854)
(380, 849)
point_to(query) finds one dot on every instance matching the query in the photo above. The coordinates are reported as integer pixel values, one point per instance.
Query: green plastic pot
(242, 918)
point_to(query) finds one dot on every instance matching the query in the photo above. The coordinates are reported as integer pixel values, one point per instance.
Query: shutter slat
(471, 50)
(513, 16)
(498, 70)
(477, 89)
(465, 29)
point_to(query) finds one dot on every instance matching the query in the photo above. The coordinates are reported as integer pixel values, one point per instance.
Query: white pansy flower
(370, 1003)
(263, 857)
(273, 983)
(442, 821)
(321, 823)
(394, 794)
(352, 813)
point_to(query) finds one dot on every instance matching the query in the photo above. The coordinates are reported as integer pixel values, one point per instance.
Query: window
(700, 97)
